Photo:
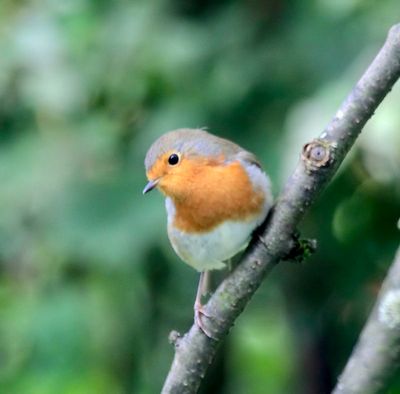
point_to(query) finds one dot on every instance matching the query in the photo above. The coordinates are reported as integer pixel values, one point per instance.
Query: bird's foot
(199, 315)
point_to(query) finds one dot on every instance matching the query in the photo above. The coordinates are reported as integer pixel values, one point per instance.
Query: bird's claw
(199, 313)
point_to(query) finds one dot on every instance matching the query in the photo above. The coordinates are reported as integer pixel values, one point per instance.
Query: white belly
(207, 251)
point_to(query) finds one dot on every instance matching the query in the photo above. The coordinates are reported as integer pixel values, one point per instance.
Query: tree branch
(319, 162)
(377, 353)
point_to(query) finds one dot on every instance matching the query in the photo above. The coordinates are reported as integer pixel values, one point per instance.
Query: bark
(376, 356)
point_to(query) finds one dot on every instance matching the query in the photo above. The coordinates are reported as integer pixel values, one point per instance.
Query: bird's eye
(173, 159)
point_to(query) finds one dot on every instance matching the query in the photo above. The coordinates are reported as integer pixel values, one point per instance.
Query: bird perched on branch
(216, 196)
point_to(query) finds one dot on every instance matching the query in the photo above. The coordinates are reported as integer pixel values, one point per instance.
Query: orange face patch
(207, 192)
(162, 168)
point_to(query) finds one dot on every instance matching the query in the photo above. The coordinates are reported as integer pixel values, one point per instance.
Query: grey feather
(196, 142)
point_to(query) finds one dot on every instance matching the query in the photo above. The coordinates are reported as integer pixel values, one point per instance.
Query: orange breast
(211, 194)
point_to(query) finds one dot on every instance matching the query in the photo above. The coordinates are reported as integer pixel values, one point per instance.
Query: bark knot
(174, 338)
(317, 153)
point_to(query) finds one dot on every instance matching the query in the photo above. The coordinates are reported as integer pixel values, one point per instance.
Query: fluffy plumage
(217, 195)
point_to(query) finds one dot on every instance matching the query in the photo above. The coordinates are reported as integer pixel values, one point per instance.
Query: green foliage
(89, 286)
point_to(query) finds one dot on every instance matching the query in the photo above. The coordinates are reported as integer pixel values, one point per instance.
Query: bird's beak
(151, 185)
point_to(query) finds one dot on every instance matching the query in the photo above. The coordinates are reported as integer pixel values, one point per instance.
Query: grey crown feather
(196, 142)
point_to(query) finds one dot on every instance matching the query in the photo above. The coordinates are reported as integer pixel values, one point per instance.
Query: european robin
(216, 196)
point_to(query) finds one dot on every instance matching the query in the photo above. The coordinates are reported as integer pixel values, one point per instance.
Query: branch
(319, 162)
(377, 353)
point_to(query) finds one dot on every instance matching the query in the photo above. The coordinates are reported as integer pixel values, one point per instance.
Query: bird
(216, 195)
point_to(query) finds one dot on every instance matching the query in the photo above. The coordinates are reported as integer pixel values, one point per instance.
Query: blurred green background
(89, 285)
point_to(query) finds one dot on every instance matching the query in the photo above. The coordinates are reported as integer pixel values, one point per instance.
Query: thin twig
(319, 162)
(376, 356)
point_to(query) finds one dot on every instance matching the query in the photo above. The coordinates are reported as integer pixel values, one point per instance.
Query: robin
(216, 196)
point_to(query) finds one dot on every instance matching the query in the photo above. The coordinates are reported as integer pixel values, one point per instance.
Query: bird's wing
(230, 149)
(248, 157)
